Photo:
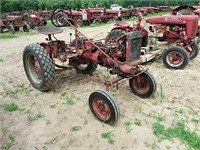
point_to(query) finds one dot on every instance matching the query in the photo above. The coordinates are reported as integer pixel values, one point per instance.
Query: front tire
(87, 68)
(26, 27)
(104, 107)
(11, 29)
(175, 57)
(143, 85)
(38, 67)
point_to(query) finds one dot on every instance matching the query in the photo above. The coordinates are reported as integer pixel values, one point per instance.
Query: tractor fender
(119, 28)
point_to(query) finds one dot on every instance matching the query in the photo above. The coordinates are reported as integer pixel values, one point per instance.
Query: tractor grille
(194, 28)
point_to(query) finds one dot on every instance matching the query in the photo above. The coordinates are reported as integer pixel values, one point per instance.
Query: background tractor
(177, 32)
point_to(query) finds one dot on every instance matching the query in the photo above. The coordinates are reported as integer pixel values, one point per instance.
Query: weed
(138, 122)
(177, 131)
(193, 112)
(128, 125)
(75, 128)
(18, 88)
(67, 98)
(1, 60)
(161, 94)
(11, 107)
(53, 106)
(109, 136)
(32, 118)
(9, 139)
(158, 116)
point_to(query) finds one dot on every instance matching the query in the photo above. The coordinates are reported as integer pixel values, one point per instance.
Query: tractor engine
(175, 27)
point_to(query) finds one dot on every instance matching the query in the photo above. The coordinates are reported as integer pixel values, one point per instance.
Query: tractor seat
(49, 30)
(122, 24)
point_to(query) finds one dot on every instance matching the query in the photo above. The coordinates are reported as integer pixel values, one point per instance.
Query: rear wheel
(104, 107)
(175, 57)
(38, 67)
(79, 23)
(26, 27)
(11, 29)
(87, 68)
(193, 50)
(98, 21)
(16, 28)
(143, 85)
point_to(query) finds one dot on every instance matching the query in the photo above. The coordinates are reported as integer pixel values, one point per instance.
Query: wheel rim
(101, 109)
(190, 51)
(79, 23)
(175, 59)
(141, 84)
(34, 68)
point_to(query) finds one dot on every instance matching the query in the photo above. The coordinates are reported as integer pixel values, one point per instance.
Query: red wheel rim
(140, 84)
(190, 50)
(175, 58)
(37, 68)
(101, 108)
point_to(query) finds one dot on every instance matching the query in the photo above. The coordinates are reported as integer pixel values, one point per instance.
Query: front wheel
(38, 67)
(104, 107)
(143, 85)
(11, 29)
(175, 57)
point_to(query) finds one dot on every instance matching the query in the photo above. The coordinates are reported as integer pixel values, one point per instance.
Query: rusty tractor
(41, 63)
(175, 32)
(36, 21)
(13, 23)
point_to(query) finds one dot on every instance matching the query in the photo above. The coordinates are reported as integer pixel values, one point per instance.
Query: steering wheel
(60, 15)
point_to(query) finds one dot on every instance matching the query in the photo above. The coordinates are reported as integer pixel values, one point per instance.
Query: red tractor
(176, 32)
(41, 63)
(36, 21)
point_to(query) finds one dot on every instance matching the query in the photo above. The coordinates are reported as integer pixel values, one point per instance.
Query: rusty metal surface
(49, 30)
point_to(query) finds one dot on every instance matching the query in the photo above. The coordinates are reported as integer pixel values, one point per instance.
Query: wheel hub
(175, 58)
(101, 109)
(37, 68)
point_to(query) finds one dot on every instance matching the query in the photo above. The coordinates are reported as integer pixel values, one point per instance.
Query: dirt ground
(45, 121)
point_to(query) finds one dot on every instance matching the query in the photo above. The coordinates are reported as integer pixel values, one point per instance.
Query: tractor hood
(172, 19)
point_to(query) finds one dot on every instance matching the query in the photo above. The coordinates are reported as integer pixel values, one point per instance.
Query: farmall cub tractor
(84, 55)
(176, 32)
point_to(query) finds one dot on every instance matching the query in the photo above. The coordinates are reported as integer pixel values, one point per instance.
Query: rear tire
(193, 51)
(175, 57)
(38, 67)
(11, 29)
(79, 23)
(88, 68)
(26, 27)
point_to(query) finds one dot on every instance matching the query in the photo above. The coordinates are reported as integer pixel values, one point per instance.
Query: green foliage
(109, 136)
(128, 125)
(19, 88)
(32, 117)
(75, 128)
(19, 5)
(138, 122)
(177, 131)
(9, 139)
(11, 107)
(69, 100)
(7, 36)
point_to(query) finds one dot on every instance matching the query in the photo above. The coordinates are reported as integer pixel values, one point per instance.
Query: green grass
(138, 122)
(109, 136)
(11, 107)
(69, 100)
(32, 117)
(75, 128)
(19, 88)
(49, 23)
(178, 130)
(6, 145)
(161, 94)
(7, 36)
(128, 125)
